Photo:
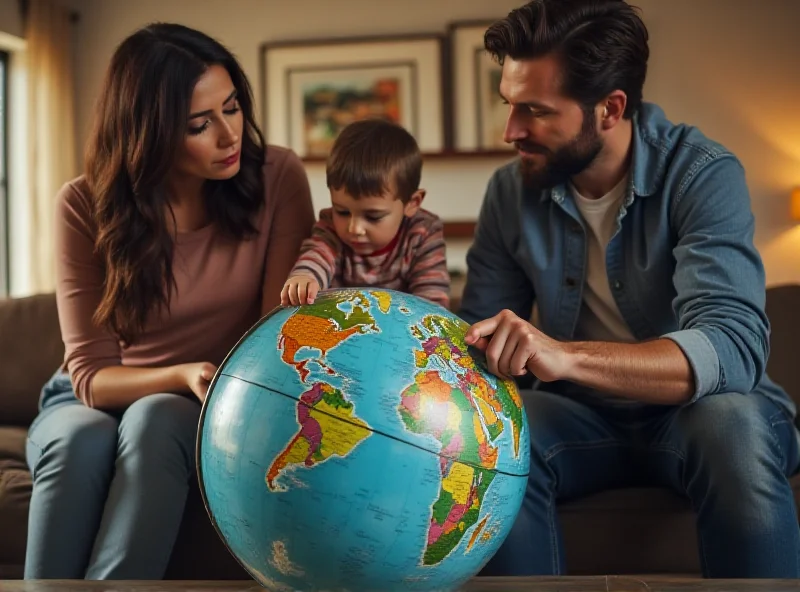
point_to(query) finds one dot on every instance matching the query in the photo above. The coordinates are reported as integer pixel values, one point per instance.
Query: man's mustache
(531, 148)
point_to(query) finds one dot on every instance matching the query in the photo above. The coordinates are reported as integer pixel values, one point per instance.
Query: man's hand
(299, 289)
(655, 371)
(513, 346)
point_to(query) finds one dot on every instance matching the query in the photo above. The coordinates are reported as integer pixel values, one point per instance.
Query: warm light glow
(780, 255)
(796, 204)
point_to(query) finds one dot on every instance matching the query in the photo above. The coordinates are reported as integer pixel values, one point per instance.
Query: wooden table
(545, 584)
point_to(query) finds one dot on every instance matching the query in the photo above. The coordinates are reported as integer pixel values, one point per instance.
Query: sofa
(635, 530)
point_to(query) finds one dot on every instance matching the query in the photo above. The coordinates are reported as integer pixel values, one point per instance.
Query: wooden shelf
(441, 156)
(459, 229)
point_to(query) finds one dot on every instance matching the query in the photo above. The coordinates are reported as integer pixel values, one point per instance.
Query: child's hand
(299, 289)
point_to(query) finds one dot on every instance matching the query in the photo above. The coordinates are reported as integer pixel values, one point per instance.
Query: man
(633, 236)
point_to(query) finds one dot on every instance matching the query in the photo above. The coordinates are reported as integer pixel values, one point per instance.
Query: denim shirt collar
(649, 160)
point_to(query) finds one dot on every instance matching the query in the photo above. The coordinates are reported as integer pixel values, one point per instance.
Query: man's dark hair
(372, 156)
(601, 44)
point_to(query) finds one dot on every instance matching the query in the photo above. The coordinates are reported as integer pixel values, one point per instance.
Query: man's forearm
(652, 372)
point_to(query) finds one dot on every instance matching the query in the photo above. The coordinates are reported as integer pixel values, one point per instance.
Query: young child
(375, 234)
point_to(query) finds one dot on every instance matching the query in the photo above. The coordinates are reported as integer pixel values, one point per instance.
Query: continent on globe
(466, 418)
(446, 342)
(433, 407)
(456, 510)
(328, 427)
(323, 326)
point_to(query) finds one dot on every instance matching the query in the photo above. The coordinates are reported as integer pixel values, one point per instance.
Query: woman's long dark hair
(141, 122)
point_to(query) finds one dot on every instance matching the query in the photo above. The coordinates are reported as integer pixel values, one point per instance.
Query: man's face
(556, 139)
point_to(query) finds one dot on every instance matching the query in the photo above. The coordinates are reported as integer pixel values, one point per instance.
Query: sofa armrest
(783, 310)
(30, 351)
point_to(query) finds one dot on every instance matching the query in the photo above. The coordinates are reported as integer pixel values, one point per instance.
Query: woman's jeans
(108, 489)
(730, 454)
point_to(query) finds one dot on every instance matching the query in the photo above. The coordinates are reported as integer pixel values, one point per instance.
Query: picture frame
(311, 88)
(479, 114)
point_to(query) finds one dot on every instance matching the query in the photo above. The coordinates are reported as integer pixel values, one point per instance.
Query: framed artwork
(479, 114)
(313, 88)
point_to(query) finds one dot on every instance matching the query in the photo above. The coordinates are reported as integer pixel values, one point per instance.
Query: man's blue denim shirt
(681, 264)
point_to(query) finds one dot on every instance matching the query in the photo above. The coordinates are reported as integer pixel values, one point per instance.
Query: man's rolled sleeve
(702, 357)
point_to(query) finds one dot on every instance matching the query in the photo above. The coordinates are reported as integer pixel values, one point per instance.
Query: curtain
(51, 128)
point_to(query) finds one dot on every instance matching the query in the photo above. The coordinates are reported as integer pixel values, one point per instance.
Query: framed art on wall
(479, 113)
(313, 88)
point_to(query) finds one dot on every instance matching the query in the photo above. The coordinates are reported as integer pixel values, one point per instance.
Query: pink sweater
(223, 285)
(415, 262)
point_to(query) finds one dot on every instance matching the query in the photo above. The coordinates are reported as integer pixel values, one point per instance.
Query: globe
(358, 443)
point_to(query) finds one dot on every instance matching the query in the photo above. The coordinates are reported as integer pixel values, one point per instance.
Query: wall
(10, 19)
(729, 67)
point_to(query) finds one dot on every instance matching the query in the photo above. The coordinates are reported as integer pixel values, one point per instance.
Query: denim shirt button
(617, 285)
(570, 282)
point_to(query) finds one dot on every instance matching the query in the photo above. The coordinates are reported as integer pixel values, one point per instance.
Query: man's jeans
(730, 454)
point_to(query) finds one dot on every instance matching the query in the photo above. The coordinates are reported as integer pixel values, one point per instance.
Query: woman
(174, 242)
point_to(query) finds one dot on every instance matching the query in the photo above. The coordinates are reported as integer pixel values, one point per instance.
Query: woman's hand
(299, 289)
(197, 377)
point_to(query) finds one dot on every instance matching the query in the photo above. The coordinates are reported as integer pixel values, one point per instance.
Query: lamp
(795, 208)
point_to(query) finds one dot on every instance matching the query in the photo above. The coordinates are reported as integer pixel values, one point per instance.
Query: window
(4, 230)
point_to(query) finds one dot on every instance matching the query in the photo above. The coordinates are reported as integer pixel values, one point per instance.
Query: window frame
(5, 230)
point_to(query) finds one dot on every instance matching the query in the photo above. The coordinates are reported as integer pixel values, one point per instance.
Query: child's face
(368, 224)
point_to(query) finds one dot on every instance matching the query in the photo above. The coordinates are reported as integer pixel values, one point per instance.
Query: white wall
(730, 67)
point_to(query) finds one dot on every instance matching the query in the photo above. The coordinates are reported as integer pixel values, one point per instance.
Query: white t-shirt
(600, 319)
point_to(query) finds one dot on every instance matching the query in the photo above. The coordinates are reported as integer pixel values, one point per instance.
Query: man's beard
(566, 162)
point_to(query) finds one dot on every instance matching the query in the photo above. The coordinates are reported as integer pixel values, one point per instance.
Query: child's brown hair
(373, 156)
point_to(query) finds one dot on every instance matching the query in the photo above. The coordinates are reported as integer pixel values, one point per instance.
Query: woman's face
(213, 141)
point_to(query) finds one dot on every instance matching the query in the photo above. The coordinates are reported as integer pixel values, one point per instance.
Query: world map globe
(357, 443)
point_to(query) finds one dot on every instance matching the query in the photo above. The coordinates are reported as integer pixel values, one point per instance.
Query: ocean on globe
(358, 444)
